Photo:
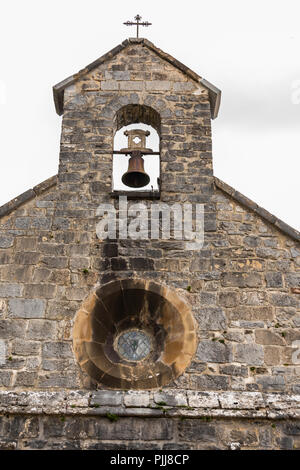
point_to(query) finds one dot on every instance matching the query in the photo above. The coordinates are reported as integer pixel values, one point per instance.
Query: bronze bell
(135, 176)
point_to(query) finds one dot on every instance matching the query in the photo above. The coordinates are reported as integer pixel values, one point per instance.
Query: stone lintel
(210, 404)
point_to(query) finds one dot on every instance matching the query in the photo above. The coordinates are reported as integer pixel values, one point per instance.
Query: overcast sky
(248, 49)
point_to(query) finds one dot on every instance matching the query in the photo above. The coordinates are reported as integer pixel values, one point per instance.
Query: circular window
(134, 334)
(134, 345)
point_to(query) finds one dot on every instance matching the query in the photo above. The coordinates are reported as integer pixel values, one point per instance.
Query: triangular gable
(225, 188)
(214, 92)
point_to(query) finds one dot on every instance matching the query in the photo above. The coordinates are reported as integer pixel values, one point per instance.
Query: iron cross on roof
(137, 23)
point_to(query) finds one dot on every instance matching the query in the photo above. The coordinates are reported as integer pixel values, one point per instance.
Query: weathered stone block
(285, 443)
(203, 400)
(270, 384)
(124, 429)
(22, 222)
(43, 223)
(16, 273)
(157, 429)
(57, 349)
(41, 330)
(54, 427)
(268, 337)
(61, 310)
(27, 308)
(158, 85)
(211, 318)
(196, 430)
(58, 380)
(6, 241)
(79, 263)
(292, 279)
(271, 253)
(183, 86)
(22, 347)
(246, 400)
(40, 291)
(234, 370)
(274, 279)
(77, 428)
(251, 354)
(229, 298)
(5, 378)
(292, 429)
(214, 351)
(284, 300)
(12, 328)
(26, 379)
(131, 85)
(254, 298)
(55, 262)
(252, 314)
(109, 85)
(76, 293)
(272, 356)
(10, 290)
(209, 382)
(106, 398)
(200, 265)
(137, 399)
(171, 398)
(27, 257)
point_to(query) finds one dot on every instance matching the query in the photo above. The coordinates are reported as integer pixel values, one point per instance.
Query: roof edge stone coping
(214, 92)
(27, 196)
(233, 193)
(249, 204)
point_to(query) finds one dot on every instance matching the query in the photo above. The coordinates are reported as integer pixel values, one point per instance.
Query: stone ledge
(166, 403)
(243, 200)
(27, 196)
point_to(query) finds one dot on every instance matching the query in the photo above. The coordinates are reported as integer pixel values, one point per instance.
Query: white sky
(248, 49)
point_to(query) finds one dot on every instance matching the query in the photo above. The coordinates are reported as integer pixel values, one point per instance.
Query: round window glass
(134, 345)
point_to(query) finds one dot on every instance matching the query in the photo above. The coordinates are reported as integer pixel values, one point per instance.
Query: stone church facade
(224, 366)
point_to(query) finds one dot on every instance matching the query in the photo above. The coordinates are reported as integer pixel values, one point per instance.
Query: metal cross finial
(137, 23)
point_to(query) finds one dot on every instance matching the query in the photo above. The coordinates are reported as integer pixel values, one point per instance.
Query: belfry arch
(141, 124)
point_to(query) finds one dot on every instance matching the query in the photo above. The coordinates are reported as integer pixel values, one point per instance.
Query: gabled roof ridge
(27, 196)
(214, 92)
(249, 204)
(169, 58)
(236, 195)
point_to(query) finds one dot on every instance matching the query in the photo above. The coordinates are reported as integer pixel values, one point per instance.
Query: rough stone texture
(243, 286)
(111, 420)
(51, 259)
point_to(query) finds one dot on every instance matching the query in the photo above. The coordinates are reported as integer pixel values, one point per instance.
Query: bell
(135, 176)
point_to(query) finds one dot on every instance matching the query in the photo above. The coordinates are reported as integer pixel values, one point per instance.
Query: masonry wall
(240, 285)
(167, 420)
(243, 293)
(86, 433)
(243, 286)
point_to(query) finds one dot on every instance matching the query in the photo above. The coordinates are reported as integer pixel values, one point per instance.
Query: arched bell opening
(134, 334)
(137, 127)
